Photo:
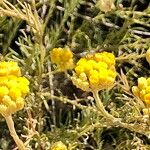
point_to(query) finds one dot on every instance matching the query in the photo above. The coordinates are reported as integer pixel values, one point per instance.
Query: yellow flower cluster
(143, 90)
(95, 72)
(63, 58)
(58, 146)
(13, 88)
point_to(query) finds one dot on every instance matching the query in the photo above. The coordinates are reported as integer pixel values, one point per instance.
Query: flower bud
(106, 5)
(63, 58)
(148, 55)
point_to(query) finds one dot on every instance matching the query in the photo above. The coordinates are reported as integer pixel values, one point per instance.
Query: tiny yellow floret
(147, 89)
(59, 146)
(95, 72)
(14, 93)
(142, 83)
(142, 90)
(135, 91)
(63, 58)
(3, 91)
(147, 99)
(6, 100)
(20, 103)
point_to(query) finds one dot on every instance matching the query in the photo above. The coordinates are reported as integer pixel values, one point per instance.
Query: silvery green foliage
(55, 109)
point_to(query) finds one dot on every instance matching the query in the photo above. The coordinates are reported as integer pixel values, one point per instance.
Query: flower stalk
(10, 124)
(101, 108)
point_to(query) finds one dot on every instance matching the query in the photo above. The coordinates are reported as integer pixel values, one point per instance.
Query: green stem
(10, 124)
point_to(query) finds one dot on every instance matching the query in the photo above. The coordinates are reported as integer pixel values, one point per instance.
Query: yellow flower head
(63, 58)
(13, 88)
(59, 146)
(95, 72)
(142, 90)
